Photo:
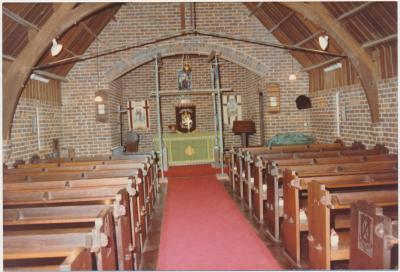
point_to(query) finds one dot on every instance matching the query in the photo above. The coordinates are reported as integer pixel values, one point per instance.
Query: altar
(188, 148)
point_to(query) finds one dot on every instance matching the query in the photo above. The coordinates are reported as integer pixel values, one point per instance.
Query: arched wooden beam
(362, 62)
(62, 19)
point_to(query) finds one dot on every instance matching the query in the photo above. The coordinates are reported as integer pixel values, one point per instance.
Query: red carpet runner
(202, 229)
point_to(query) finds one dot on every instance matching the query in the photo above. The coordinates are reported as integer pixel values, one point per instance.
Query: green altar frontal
(188, 148)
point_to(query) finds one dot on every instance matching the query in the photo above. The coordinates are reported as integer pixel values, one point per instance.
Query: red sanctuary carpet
(203, 229)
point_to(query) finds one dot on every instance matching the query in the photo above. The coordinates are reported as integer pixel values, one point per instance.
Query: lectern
(244, 128)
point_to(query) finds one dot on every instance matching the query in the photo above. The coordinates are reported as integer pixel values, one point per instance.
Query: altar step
(192, 170)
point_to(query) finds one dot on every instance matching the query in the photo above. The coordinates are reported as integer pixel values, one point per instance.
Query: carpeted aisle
(202, 229)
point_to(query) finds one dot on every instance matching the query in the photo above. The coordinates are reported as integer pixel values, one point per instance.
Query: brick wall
(139, 83)
(24, 140)
(138, 22)
(355, 116)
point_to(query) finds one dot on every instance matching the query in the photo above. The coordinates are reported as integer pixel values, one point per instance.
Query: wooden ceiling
(75, 41)
(367, 22)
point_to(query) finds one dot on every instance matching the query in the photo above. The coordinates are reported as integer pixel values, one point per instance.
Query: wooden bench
(88, 166)
(58, 243)
(246, 170)
(294, 188)
(116, 195)
(135, 174)
(373, 237)
(73, 216)
(135, 219)
(75, 259)
(273, 180)
(329, 207)
(148, 167)
(266, 183)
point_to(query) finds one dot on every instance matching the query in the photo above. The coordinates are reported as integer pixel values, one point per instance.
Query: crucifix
(129, 110)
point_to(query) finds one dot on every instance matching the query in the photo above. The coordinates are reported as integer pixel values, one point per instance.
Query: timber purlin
(125, 187)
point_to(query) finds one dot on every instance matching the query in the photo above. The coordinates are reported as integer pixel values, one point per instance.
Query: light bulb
(292, 77)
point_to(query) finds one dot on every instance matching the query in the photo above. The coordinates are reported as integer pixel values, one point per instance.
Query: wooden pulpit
(244, 128)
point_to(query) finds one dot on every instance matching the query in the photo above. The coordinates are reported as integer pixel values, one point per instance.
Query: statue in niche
(184, 80)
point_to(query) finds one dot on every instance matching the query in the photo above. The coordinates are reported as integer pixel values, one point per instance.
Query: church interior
(200, 136)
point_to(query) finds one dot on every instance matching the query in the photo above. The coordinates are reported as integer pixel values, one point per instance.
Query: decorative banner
(232, 109)
(138, 115)
(185, 118)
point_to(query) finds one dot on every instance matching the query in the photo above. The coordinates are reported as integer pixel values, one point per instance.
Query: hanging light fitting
(55, 48)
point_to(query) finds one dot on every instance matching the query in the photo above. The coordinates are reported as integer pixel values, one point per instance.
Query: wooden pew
(114, 195)
(148, 167)
(149, 159)
(293, 186)
(329, 207)
(250, 156)
(77, 259)
(59, 243)
(263, 178)
(70, 217)
(272, 176)
(131, 223)
(373, 236)
(150, 183)
(135, 174)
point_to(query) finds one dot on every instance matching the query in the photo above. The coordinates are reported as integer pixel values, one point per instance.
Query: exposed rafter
(309, 38)
(70, 52)
(18, 19)
(255, 9)
(354, 11)
(50, 75)
(8, 58)
(63, 17)
(370, 44)
(275, 27)
(362, 62)
(321, 64)
(88, 30)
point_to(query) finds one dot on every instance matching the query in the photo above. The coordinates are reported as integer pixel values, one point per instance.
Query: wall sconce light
(292, 76)
(55, 48)
(273, 97)
(101, 107)
(98, 99)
